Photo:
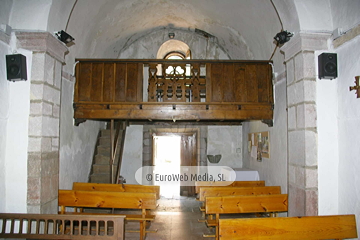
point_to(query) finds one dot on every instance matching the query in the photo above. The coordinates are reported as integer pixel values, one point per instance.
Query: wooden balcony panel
(120, 82)
(109, 86)
(230, 90)
(83, 87)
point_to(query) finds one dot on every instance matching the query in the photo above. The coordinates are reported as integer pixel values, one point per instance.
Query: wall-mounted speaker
(327, 65)
(16, 67)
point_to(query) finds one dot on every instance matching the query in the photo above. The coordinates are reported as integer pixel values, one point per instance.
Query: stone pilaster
(45, 91)
(302, 124)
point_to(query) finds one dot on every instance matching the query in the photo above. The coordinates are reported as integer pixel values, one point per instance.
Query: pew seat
(270, 204)
(231, 191)
(309, 227)
(200, 184)
(81, 186)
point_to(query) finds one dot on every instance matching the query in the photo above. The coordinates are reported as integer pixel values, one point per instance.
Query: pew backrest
(310, 228)
(102, 199)
(55, 226)
(200, 184)
(116, 187)
(246, 204)
(230, 191)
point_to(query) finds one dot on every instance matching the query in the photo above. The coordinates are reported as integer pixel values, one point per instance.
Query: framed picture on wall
(259, 141)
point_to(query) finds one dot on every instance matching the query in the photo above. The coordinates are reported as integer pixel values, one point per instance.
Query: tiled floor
(176, 219)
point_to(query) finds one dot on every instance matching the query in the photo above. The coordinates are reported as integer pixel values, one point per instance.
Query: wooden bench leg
(217, 217)
(142, 230)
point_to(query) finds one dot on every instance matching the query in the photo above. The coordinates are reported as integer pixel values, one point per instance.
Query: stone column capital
(42, 42)
(305, 41)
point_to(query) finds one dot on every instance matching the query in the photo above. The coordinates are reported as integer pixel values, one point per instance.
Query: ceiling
(244, 29)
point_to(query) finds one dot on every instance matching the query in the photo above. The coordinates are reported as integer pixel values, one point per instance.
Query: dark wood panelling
(109, 82)
(84, 81)
(263, 77)
(216, 82)
(240, 83)
(97, 81)
(120, 82)
(251, 83)
(228, 83)
(132, 81)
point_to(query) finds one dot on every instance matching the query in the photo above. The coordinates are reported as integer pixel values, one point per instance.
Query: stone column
(45, 91)
(302, 124)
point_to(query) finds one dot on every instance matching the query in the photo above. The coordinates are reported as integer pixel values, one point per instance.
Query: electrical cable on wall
(72, 9)
(73, 74)
(282, 28)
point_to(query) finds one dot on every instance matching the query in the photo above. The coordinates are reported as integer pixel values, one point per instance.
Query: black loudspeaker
(327, 65)
(16, 67)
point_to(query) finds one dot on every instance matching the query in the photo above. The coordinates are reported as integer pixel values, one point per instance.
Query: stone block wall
(302, 124)
(45, 92)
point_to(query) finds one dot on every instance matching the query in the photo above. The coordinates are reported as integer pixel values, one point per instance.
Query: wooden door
(188, 157)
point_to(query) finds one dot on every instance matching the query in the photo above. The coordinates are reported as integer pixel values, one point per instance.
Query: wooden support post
(112, 149)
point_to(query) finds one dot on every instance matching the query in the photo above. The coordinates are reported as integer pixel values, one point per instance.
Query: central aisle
(176, 219)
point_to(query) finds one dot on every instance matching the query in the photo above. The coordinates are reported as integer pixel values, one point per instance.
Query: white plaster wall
(288, 14)
(5, 11)
(112, 25)
(17, 143)
(148, 45)
(274, 169)
(133, 151)
(338, 123)
(345, 13)
(31, 15)
(328, 150)
(314, 15)
(4, 118)
(14, 118)
(59, 14)
(227, 141)
(349, 137)
(77, 144)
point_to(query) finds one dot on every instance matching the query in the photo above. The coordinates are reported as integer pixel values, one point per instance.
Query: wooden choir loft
(173, 91)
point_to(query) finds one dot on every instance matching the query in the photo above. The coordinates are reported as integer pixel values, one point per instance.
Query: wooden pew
(310, 228)
(200, 184)
(116, 187)
(54, 226)
(116, 200)
(231, 191)
(243, 204)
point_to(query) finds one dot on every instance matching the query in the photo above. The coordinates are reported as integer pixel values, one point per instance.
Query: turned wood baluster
(152, 90)
(195, 83)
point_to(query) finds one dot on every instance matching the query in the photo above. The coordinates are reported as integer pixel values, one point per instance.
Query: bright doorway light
(166, 158)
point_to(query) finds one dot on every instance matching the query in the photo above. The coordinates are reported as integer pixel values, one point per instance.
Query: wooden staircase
(101, 168)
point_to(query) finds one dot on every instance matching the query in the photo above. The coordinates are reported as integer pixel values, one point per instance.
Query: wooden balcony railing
(136, 89)
(61, 226)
